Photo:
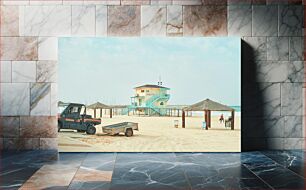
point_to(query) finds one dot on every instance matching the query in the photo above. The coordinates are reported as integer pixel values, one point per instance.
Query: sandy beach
(156, 134)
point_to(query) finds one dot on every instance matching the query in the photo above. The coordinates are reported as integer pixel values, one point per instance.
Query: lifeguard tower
(150, 100)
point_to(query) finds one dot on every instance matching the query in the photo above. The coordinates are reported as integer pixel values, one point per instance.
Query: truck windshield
(83, 110)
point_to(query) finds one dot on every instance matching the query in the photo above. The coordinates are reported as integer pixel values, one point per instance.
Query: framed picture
(123, 94)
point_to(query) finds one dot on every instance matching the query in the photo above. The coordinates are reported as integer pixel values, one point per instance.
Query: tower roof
(151, 86)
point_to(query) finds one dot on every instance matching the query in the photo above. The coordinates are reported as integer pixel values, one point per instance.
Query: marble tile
(6, 71)
(293, 127)
(239, 2)
(295, 71)
(10, 143)
(38, 126)
(270, 127)
(92, 175)
(100, 161)
(216, 171)
(1, 148)
(284, 2)
(40, 100)
(83, 20)
(54, 99)
(278, 48)
(239, 21)
(258, 46)
(272, 173)
(251, 144)
(294, 144)
(214, 2)
(47, 20)
(79, 185)
(205, 21)
(293, 160)
(174, 20)
(280, 71)
(18, 48)
(23, 71)
(47, 48)
(46, 71)
(161, 2)
(9, 21)
(153, 20)
(51, 176)
(275, 143)
(46, 2)
(9, 127)
(102, 2)
(48, 144)
(147, 171)
(15, 99)
(101, 20)
(189, 2)
(290, 20)
(28, 144)
(265, 19)
(262, 99)
(296, 48)
(135, 2)
(291, 99)
(123, 21)
(15, 2)
(73, 2)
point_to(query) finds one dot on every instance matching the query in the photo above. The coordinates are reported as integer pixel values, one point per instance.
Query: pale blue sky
(107, 69)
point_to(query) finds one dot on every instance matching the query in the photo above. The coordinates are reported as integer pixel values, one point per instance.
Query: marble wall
(272, 59)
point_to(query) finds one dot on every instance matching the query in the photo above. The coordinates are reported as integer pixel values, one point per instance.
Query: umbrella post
(183, 119)
(233, 120)
(206, 119)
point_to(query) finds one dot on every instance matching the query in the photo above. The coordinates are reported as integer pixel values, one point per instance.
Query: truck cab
(74, 117)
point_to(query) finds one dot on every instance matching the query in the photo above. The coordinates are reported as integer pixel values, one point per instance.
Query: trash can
(203, 125)
(176, 123)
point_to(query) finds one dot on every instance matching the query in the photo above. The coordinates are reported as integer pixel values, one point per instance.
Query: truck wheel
(129, 132)
(91, 130)
(59, 126)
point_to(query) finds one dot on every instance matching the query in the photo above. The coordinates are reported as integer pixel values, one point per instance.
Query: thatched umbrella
(99, 105)
(207, 106)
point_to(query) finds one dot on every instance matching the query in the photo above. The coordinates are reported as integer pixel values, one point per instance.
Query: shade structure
(207, 106)
(99, 105)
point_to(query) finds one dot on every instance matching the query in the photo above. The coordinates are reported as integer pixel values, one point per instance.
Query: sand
(156, 134)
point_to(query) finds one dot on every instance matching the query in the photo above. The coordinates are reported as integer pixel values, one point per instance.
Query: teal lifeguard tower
(150, 100)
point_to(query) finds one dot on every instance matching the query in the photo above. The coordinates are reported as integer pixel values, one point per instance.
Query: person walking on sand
(221, 118)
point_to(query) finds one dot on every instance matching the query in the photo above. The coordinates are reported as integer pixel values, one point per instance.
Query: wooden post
(209, 119)
(183, 119)
(206, 119)
(111, 113)
(100, 112)
(94, 113)
(233, 120)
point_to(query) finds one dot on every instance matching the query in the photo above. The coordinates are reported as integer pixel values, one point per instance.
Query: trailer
(125, 127)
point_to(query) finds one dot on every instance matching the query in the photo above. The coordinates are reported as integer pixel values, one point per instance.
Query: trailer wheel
(129, 132)
(91, 130)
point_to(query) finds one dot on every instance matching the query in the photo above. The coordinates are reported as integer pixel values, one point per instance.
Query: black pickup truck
(74, 117)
